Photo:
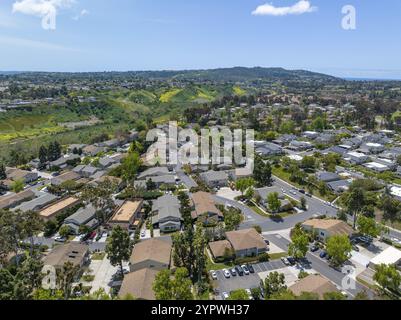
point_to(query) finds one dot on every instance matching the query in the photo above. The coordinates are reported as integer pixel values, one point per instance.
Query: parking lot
(246, 281)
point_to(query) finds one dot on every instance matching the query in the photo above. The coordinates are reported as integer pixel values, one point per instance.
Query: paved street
(322, 267)
(315, 206)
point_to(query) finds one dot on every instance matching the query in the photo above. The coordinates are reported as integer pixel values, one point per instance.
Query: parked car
(314, 248)
(92, 235)
(233, 272)
(308, 195)
(213, 274)
(226, 273)
(225, 295)
(249, 292)
(323, 254)
(246, 271)
(285, 261)
(267, 242)
(143, 233)
(60, 239)
(239, 270)
(292, 261)
(355, 248)
(302, 191)
(250, 268)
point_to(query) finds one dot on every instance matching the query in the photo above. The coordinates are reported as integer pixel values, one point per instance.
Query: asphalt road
(315, 206)
(322, 267)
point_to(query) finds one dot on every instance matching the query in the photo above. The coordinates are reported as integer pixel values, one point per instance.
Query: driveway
(227, 193)
(246, 281)
(103, 272)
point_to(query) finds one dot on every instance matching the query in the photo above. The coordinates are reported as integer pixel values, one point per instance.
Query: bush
(264, 257)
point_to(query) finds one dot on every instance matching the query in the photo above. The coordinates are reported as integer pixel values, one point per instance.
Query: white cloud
(298, 8)
(40, 8)
(45, 9)
(82, 14)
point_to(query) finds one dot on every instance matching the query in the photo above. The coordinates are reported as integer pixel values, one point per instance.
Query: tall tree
(65, 277)
(43, 155)
(338, 248)
(273, 202)
(274, 284)
(101, 197)
(3, 174)
(118, 247)
(173, 287)
(388, 278)
(299, 246)
(262, 172)
(355, 202)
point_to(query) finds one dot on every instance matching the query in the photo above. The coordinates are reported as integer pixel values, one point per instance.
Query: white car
(249, 292)
(226, 273)
(60, 239)
(246, 270)
(143, 233)
(213, 274)
(225, 296)
(285, 261)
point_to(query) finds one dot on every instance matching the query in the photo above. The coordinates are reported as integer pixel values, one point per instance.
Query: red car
(92, 236)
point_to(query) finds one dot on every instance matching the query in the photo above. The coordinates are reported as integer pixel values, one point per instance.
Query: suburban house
(75, 253)
(263, 148)
(127, 216)
(37, 203)
(63, 162)
(220, 250)
(153, 172)
(106, 162)
(339, 186)
(165, 180)
(67, 176)
(326, 177)
(152, 254)
(313, 284)
(354, 157)
(13, 200)
(92, 150)
(52, 211)
(240, 173)
(167, 215)
(390, 256)
(310, 134)
(215, 179)
(325, 228)
(88, 171)
(83, 217)
(372, 148)
(204, 208)
(298, 145)
(246, 243)
(139, 284)
(18, 174)
(263, 193)
(118, 182)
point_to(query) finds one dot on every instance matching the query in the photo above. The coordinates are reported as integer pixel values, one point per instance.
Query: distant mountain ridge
(221, 74)
(240, 74)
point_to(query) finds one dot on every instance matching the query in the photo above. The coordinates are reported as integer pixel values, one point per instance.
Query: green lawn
(257, 210)
(98, 256)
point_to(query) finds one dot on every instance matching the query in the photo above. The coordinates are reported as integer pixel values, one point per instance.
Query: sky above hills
(104, 35)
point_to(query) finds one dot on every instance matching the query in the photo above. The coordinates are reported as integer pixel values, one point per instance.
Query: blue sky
(104, 35)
